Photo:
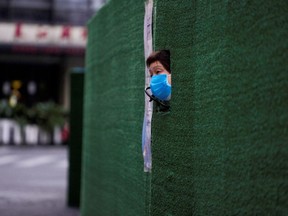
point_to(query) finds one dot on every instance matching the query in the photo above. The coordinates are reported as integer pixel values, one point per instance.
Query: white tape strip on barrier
(146, 132)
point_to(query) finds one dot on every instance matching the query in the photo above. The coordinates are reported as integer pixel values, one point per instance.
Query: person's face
(157, 68)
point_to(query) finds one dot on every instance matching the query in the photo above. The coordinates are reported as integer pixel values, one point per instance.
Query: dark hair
(163, 56)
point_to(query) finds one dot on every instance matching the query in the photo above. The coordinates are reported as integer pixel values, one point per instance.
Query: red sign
(47, 35)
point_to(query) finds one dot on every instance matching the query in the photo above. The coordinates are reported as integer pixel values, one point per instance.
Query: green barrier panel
(113, 178)
(223, 149)
(75, 140)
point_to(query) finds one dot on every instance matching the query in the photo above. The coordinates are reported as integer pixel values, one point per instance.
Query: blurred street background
(33, 181)
(41, 43)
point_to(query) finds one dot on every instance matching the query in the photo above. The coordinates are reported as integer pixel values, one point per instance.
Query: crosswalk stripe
(37, 161)
(62, 164)
(7, 159)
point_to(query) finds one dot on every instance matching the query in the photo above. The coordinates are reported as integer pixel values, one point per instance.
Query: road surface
(33, 181)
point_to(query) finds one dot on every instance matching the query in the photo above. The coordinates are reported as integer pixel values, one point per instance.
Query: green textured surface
(223, 150)
(75, 141)
(113, 178)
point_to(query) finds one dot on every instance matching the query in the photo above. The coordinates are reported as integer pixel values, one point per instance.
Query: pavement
(33, 181)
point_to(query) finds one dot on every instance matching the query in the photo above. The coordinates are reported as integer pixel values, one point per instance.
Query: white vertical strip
(146, 132)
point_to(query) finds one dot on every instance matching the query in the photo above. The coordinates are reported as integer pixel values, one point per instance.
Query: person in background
(158, 64)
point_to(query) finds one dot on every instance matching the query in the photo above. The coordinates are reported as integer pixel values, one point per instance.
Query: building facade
(40, 41)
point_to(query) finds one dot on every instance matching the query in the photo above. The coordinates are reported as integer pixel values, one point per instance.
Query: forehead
(155, 65)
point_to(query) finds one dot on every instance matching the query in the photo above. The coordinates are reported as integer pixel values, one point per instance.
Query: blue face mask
(160, 87)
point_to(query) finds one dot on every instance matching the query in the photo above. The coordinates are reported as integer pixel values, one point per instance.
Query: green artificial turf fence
(113, 177)
(75, 140)
(223, 148)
